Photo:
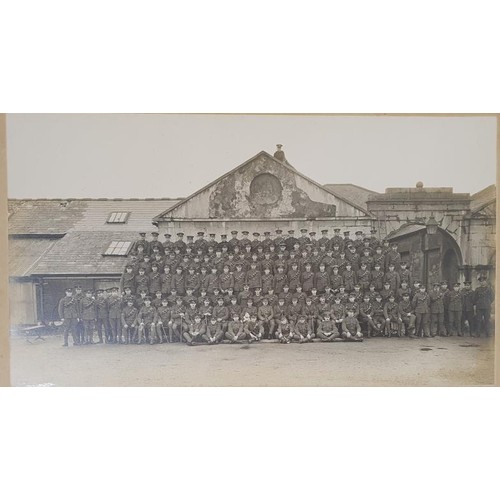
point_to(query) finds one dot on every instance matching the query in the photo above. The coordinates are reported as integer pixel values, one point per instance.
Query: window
(118, 217)
(118, 248)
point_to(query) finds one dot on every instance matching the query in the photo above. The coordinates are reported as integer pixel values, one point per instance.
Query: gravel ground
(454, 361)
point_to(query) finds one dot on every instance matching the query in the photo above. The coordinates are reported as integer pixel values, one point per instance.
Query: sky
(171, 156)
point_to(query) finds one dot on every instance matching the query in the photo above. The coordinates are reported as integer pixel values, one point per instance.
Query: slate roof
(81, 252)
(351, 192)
(24, 253)
(483, 198)
(58, 216)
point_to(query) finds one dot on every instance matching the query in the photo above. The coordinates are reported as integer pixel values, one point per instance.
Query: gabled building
(263, 193)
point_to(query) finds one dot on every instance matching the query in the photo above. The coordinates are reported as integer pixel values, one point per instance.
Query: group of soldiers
(289, 288)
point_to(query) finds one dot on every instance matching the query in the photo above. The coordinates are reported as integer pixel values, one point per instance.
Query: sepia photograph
(251, 250)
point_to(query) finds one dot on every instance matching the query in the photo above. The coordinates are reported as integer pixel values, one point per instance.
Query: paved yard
(451, 361)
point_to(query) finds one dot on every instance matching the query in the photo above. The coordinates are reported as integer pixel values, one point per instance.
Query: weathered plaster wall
(280, 192)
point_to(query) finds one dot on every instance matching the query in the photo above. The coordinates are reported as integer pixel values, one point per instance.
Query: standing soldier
(68, 312)
(129, 319)
(180, 243)
(154, 279)
(226, 280)
(78, 297)
(267, 281)
(280, 280)
(245, 240)
(141, 242)
(154, 243)
(141, 281)
(468, 308)
(179, 282)
(324, 240)
(377, 277)
(254, 277)
(336, 239)
(267, 241)
(128, 278)
(294, 276)
(88, 316)
(483, 298)
(374, 241)
(379, 258)
(405, 274)
(101, 305)
(353, 257)
(177, 314)
(336, 280)
(255, 242)
(349, 277)
(393, 257)
(303, 238)
(346, 241)
(455, 311)
(321, 279)
(291, 240)
(420, 305)
(115, 315)
(358, 241)
(363, 278)
(234, 241)
(446, 300)
(437, 311)
(168, 245)
(392, 277)
(164, 320)
(200, 243)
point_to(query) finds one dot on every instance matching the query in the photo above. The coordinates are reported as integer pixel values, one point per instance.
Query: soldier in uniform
(265, 314)
(129, 321)
(405, 274)
(168, 245)
(378, 315)
(393, 257)
(102, 315)
(337, 239)
(351, 329)
(154, 243)
(68, 313)
(245, 240)
(253, 329)
(115, 314)
(197, 331)
(128, 278)
(365, 316)
(437, 311)
(235, 331)
(327, 329)
(234, 241)
(455, 311)
(324, 240)
(391, 313)
(180, 244)
(483, 298)
(358, 241)
(88, 316)
(407, 316)
(349, 277)
(178, 312)
(163, 321)
(200, 243)
(214, 333)
(420, 303)
(141, 242)
(468, 319)
(221, 313)
(321, 279)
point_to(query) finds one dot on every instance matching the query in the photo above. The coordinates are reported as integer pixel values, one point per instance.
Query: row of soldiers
(125, 317)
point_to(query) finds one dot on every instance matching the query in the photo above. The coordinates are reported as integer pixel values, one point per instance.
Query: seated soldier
(129, 321)
(221, 313)
(294, 310)
(253, 329)
(351, 329)
(197, 331)
(365, 316)
(407, 317)
(147, 322)
(327, 330)
(285, 331)
(338, 313)
(392, 317)
(214, 333)
(235, 333)
(378, 315)
(265, 315)
(310, 311)
(302, 330)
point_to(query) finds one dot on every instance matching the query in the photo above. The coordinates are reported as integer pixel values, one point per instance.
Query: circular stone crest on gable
(265, 189)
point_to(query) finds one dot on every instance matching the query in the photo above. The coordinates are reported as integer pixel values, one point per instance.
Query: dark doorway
(450, 266)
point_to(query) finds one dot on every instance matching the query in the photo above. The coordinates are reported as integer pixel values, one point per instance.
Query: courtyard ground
(454, 361)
